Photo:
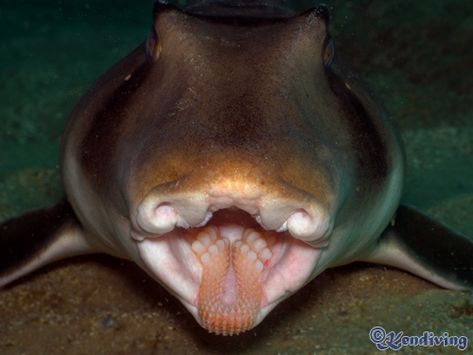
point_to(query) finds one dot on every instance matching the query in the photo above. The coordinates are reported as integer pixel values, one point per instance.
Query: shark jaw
(231, 272)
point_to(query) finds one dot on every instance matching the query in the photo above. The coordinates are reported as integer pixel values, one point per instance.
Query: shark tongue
(230, 291)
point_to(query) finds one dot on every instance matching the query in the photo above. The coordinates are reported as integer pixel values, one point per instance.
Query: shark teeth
(252, 245)
(208, 244)
(230, 290)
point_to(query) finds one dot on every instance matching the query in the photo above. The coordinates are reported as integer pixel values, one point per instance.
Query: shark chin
(231, 272)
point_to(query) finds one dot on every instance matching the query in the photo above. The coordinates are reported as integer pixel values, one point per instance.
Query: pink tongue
(229, 293)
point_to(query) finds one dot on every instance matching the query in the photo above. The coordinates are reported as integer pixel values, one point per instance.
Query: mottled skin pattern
(244, 101)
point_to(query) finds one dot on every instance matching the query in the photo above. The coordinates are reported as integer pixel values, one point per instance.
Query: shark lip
(171, 260)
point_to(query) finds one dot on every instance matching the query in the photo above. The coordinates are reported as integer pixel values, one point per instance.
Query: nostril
(165, 212)
(300, 223)
(157, 220)
(307, 227)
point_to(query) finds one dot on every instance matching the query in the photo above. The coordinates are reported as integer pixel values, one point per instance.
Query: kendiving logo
(397, 340)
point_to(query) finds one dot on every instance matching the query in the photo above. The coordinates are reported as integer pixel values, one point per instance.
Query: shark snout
(296, 212)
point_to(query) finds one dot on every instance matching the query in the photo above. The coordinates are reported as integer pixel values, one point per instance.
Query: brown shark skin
(244, 102)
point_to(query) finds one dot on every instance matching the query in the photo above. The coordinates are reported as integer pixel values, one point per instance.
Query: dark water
(417, 58)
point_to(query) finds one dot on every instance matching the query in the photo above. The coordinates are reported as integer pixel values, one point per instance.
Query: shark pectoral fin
(426, 248)
(39, 238)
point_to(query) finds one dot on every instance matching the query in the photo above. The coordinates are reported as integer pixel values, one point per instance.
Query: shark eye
(322, 12)
(329, 52)
(153, 47)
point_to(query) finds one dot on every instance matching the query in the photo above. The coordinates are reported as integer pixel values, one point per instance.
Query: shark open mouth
(231, 272)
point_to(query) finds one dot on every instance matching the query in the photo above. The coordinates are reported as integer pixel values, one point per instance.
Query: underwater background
(417, 58)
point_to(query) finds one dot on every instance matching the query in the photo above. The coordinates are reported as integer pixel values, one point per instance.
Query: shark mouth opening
(231, 272)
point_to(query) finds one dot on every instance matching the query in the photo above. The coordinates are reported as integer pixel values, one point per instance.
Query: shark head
(234, 191)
